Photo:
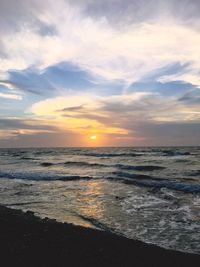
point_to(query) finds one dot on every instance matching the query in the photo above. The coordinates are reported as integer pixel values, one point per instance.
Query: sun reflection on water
(91, 204)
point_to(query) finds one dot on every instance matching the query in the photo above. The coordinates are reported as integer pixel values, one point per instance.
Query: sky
(125, 71)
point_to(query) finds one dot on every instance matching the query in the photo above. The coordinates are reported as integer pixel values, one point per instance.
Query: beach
(100, 133)
(27, 240)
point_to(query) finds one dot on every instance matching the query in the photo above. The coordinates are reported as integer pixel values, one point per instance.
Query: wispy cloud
(10, 96)
(106, 51)
(114, 66)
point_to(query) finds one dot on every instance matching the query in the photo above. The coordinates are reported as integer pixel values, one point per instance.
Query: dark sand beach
(27, 240)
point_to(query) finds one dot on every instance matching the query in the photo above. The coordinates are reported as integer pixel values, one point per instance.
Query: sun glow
(93, 137)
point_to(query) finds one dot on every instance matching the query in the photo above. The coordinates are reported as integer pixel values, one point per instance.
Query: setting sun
(93, 137)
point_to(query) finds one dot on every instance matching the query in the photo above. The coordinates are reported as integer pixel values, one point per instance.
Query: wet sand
(26, 240)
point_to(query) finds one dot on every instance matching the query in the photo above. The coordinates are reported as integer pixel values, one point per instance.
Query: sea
(150, 194)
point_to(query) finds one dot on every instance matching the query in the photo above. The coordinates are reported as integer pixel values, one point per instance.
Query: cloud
(191, 98)
(120, 68)
(10, 96)
(123, 13)
(39, 139)
(117, 114)
(92, 42)
(72, 109)
(12, 129)
(167, 134)
(54, 80)
(30, 81)
(72, 119)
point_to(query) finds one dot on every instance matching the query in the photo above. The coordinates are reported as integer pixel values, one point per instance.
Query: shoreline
(27, 240)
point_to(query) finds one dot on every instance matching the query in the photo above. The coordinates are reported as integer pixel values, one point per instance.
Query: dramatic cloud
(131, 118)
(128, 70)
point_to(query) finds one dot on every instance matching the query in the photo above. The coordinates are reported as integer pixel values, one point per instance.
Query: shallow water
(151, 194)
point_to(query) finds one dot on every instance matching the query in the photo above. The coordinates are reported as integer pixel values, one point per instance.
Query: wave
(123, 177)
(46, 164)
(94, 164)
(84, 164)
(14, 155)
(186, 188)
(22, 203)
(195, 173)
(74, 163)
(172, 153)
(157, 183)
(97, 224)
(140, 168)
(45, 152)
(111, 155)
(28, 158)
(42, 177)
(119, 174)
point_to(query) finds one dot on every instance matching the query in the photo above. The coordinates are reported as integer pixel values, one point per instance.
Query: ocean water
(149, 194)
